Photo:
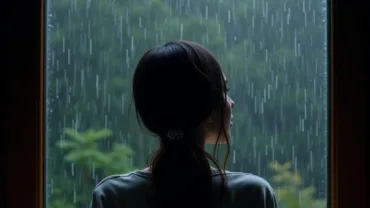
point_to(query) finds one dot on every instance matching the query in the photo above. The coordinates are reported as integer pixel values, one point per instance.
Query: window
(273, 53)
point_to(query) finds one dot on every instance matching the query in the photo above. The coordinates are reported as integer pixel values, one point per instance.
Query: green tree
(88, 162)
(290, 191)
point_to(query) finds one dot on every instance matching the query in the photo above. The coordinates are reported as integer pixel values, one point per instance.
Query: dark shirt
(130, 191)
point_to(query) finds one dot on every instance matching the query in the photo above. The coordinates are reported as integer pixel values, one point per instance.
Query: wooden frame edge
(41, 146)
(332, 163)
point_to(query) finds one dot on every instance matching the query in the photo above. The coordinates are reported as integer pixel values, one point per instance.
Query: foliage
(289, 189)
(88, 161)
(83, 151)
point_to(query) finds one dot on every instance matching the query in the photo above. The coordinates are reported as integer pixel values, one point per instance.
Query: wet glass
(273, 53)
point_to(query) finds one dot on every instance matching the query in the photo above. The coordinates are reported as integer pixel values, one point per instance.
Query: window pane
(272, 51)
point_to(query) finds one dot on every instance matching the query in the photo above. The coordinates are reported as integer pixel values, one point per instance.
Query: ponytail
(182, 176)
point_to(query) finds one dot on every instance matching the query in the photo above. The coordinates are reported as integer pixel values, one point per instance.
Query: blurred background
(273, 53)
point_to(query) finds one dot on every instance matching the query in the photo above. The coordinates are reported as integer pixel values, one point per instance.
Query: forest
(273, 53)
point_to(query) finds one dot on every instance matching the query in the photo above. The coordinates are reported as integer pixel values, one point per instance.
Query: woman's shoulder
(241, 179)
(245, 188)
(117, 182)
(113, 190)
(234, 180)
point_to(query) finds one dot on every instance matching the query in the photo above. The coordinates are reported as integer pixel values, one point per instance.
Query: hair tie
(175, 134)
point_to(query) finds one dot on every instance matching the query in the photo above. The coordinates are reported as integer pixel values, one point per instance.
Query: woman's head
(181, 85)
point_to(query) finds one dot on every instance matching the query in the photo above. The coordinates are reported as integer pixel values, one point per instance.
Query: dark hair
(177, 86)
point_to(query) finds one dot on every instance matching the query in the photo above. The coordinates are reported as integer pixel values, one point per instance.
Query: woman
(180, 95)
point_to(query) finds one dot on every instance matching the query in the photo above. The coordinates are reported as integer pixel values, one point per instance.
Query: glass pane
(272, 51)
